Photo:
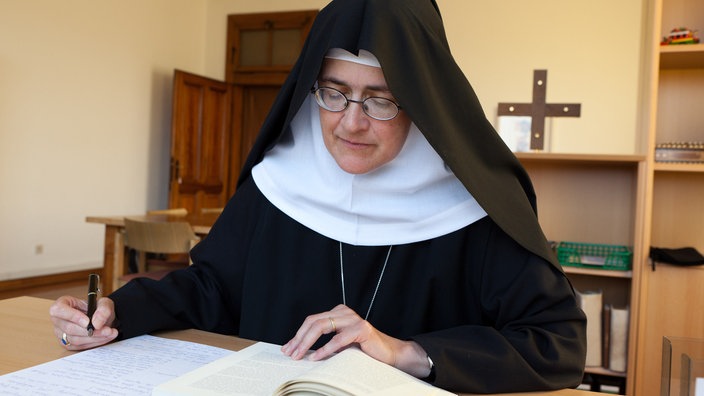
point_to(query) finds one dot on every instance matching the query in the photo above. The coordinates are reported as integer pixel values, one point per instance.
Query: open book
(262, 369)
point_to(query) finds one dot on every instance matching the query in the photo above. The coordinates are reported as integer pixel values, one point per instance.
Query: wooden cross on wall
(539, 109)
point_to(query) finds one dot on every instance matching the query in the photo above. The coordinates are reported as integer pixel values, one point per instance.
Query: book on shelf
(591, 303)
(606, 335)
(618, 338)
(262, 369)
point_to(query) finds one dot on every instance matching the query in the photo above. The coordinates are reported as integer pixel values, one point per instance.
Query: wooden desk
(27, 339)
(114, 264)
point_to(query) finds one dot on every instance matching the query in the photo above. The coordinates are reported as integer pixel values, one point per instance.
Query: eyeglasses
(381, 109)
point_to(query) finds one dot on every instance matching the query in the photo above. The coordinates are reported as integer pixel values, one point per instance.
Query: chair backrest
(159, 236)
(170, 212)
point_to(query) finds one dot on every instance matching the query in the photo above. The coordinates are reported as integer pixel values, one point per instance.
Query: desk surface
(27, 339)
(201, 223)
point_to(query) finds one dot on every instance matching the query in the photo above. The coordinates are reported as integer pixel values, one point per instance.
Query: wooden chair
(211, 210)
(151, 257)
(158, 237)
(170, 212)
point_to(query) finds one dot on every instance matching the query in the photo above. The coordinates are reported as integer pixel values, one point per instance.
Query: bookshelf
(672, 298)
(594, 199)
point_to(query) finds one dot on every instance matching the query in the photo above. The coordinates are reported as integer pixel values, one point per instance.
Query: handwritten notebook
(130, 367)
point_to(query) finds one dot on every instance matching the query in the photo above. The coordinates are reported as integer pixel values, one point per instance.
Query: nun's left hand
(351, 329)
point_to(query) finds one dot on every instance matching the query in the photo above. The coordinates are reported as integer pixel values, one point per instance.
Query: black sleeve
(534, 337)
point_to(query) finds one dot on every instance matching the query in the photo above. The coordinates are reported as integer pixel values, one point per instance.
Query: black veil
(408, 38)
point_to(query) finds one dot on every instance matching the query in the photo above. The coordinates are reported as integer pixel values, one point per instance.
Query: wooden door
(262, 49)
(215, 123)
(200, 142)
(253, 101)
(265, 44)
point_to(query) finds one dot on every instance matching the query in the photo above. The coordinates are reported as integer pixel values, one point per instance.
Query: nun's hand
(68, 315)
(350, 330)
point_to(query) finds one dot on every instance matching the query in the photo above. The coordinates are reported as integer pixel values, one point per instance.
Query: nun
(378, 208)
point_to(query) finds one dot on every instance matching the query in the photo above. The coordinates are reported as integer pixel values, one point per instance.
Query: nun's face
(358, 142)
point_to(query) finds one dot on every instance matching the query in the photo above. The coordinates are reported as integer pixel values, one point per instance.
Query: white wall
(591, 50)
(85, 95)
(85, 91)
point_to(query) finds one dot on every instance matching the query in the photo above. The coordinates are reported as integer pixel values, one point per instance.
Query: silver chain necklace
(342, 280)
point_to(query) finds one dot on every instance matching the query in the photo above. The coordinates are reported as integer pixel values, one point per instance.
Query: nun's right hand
(68, 314)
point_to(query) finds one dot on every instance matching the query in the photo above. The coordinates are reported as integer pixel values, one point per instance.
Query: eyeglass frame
(322, 104)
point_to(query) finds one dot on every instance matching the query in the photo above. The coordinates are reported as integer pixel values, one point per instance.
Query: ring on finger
(64, 340)
(332, 325)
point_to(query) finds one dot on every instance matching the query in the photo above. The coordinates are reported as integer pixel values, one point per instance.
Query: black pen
(93, 282)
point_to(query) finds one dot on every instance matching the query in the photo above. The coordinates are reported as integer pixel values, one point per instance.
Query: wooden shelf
(684, 56)
(594, 198)
(669, 295)
(565, 182)
(603, 371)
(597, 272)
(527, 157)
(678, 167)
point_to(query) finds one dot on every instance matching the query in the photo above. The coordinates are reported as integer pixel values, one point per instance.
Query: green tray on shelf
(595, 256)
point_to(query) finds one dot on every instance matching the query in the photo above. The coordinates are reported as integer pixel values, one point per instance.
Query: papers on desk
(130, 367)
(149, 365)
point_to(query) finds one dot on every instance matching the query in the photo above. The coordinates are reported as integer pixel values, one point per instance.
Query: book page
(258, 370)
(129, 367)
(356, 373)
(255, 370)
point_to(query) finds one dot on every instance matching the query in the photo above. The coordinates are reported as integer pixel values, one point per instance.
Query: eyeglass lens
(375, 107)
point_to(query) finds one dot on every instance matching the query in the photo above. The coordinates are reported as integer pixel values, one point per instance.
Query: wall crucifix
(539, 109)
